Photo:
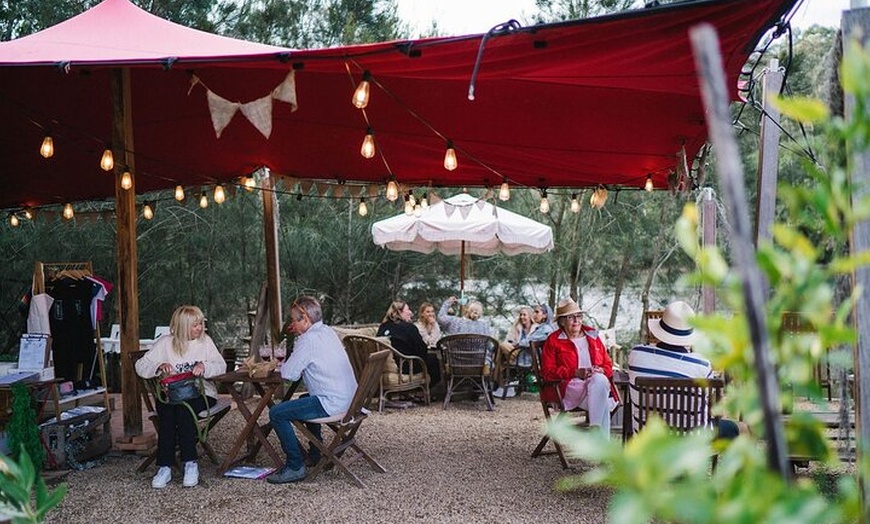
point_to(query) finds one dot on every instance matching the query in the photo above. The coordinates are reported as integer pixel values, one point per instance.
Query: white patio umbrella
(461, 225)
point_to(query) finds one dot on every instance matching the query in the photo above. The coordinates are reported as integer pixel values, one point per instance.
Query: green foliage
(22, 428)
(664, 477)
(24, 496)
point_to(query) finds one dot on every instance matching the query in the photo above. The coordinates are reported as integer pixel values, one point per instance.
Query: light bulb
(575, 204)
(450, 162)
(250, 183)
(28, 214)
(598, 198)
(203, 201)
(363, 208)
(361, 94)
(107, 162)
(412, 199)
(418, 210)
(545, 202)
(368, 144)
(504, 192)
(179, 193)
(409, 207)
(13, 221)
(219, 194)
(126, 179)
(424, 202)
(392, 191)
(47, 147)
(649, 184)
(68, 211)
(147, 212)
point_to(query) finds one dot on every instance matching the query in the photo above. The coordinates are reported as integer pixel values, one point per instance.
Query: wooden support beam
(768, 154)
(270, 230)
(709, 213)
(127, 287)
(856, 24)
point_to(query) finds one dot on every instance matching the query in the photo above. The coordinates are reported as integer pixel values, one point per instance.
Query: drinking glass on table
(280, 353)
(266, 353)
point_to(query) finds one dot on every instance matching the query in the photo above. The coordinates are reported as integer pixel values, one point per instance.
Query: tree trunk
(620, 283)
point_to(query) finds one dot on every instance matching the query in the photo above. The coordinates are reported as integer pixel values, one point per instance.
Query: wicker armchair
(467, 359)
(397, 375)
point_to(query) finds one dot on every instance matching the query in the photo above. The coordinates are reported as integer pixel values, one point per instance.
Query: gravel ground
(464, 464)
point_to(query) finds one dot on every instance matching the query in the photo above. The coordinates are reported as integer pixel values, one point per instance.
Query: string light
(575, 204)
(219, 194)
(250, 183)
(363, 208)
(68, 212)
(392, 190)
(367, 150)
(409, 207)
(126, 179)
(450, 162)
(147, 211)
(13, 220)
(47, 147)
(203, 200)
(424, 202)
(107, 162)
(545, 202)
(361, 94)
(418, 210)
(412, 199)
(28, 214)
(598, 198)
(179, 193)
(504, 192)
(649, 184)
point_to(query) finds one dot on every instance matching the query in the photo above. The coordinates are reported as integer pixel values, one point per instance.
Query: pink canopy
(606, 101)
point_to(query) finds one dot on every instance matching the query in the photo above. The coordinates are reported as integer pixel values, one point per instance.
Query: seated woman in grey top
(471, 323)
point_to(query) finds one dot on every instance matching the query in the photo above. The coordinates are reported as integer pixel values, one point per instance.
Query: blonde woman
(185, 349)
(427, 325)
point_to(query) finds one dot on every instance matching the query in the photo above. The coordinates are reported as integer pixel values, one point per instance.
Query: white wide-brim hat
(674, 328)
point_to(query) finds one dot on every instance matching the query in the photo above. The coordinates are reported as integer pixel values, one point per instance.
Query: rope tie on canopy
(501, 29)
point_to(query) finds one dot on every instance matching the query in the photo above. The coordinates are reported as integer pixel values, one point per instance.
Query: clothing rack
(47, 271)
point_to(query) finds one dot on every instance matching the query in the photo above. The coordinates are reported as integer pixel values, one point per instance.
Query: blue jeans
(282, 416)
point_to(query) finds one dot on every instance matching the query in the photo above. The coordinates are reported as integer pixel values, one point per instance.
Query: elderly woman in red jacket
(575, 356)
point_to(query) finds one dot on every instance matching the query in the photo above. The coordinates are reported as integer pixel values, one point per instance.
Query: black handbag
(180, 388)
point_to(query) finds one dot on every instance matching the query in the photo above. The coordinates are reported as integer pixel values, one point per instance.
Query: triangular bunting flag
(464, 211)
(259, 113)
(222, 111)
(286, 92)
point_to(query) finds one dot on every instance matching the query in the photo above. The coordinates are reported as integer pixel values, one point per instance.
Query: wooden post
(708, 61)
(856, 24)
(270, 230)
(128, 275)
(708, 217)
(768, 155)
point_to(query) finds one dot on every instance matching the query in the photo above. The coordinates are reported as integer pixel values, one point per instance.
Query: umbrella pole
(462, 270)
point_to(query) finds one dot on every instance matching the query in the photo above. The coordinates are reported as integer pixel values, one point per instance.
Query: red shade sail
(599, 101)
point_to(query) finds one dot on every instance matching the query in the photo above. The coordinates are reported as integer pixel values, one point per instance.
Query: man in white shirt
(319, 359)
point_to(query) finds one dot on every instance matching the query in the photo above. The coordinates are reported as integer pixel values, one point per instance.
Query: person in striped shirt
(671, 357)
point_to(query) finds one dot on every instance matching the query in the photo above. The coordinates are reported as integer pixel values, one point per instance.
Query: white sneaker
(162, 478)
(191, 474)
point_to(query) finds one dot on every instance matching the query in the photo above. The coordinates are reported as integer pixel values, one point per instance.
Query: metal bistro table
(254, 433)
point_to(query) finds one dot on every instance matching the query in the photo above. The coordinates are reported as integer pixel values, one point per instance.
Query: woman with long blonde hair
(186, 349)
(427, 325)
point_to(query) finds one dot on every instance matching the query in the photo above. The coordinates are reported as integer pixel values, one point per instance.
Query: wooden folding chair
(466, 361)
(551, 409)
(684, 404)
(207, 419)
(346, 425)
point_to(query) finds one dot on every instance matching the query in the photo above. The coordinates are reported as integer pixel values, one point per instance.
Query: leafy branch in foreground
(661, 476)
(17, 485)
